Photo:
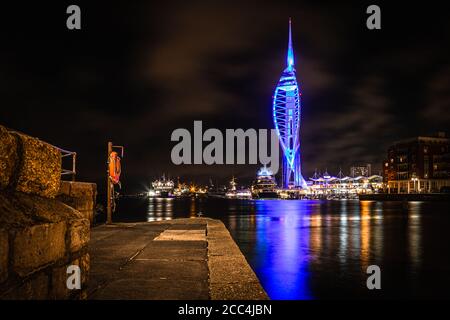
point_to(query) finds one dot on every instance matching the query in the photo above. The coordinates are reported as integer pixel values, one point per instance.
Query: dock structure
(193, 258)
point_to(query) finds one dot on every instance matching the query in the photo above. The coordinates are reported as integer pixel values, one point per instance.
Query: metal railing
(65, 154)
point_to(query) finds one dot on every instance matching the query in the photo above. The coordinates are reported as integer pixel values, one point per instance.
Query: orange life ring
(114, 167)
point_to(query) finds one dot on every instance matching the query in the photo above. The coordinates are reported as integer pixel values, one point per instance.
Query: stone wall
(40, 236)
(81, 196)
(28, 164)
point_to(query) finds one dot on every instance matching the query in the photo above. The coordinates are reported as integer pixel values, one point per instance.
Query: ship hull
(165, 194)
(266, 195)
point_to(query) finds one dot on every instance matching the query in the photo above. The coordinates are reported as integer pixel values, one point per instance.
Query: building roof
(346, 178)
(438, 139)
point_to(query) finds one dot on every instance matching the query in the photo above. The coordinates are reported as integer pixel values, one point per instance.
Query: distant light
(264, 172)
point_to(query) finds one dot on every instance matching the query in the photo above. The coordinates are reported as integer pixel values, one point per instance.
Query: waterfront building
(361, 170)
(286, 117)
(342, 186)
(418, 165)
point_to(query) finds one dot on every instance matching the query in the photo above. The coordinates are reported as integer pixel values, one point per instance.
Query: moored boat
(265, 186)
(162, 188)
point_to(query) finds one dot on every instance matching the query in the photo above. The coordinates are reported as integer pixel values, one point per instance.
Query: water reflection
(414, 233)
(281, 265)
(160, 209)
(365, 233)
(343, 233)
(321, 249)
(314, 249)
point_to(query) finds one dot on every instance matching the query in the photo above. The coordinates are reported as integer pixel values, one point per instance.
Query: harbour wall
(40, 235)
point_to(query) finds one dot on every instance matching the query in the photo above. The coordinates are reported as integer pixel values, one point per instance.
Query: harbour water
(302, 249)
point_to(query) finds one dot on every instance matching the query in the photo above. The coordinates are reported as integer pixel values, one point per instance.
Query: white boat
(235, 193)
(265, 186)
(162, 188)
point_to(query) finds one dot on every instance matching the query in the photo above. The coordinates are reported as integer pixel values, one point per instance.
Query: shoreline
(406, 197)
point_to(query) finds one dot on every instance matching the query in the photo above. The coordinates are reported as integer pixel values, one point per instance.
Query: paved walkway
(191, 259)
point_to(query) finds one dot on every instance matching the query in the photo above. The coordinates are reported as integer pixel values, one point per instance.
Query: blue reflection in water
(290, 243)
(321, 249)
(282, 242)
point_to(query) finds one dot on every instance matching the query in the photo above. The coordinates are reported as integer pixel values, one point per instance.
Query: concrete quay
(192, 259)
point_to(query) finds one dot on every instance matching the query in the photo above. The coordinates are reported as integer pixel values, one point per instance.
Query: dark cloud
(437, 111)
(134, 73)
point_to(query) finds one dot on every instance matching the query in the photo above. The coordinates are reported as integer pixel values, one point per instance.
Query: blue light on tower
(286, 117)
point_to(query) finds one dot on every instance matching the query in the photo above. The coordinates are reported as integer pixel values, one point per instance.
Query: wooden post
(108, 188)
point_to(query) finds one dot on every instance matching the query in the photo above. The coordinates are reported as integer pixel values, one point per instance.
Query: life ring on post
(114, 167)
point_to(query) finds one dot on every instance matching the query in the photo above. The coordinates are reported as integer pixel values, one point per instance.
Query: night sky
(137, 71)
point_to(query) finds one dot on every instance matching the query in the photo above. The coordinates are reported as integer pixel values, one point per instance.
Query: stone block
(8, 157)
(59, 289)
(83, 204)
(223, 248)
(80, 204)
(85, 265)
(40, 167)
(88, 214)
(230, 269)
(44, 210)
(4, 252)
(237, 291)
(79, 234)
(82, 189)
(37, 246)
(64, 187)
(80, 196)
(35, 288)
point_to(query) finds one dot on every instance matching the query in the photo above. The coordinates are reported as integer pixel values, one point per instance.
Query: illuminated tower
(286, 117)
